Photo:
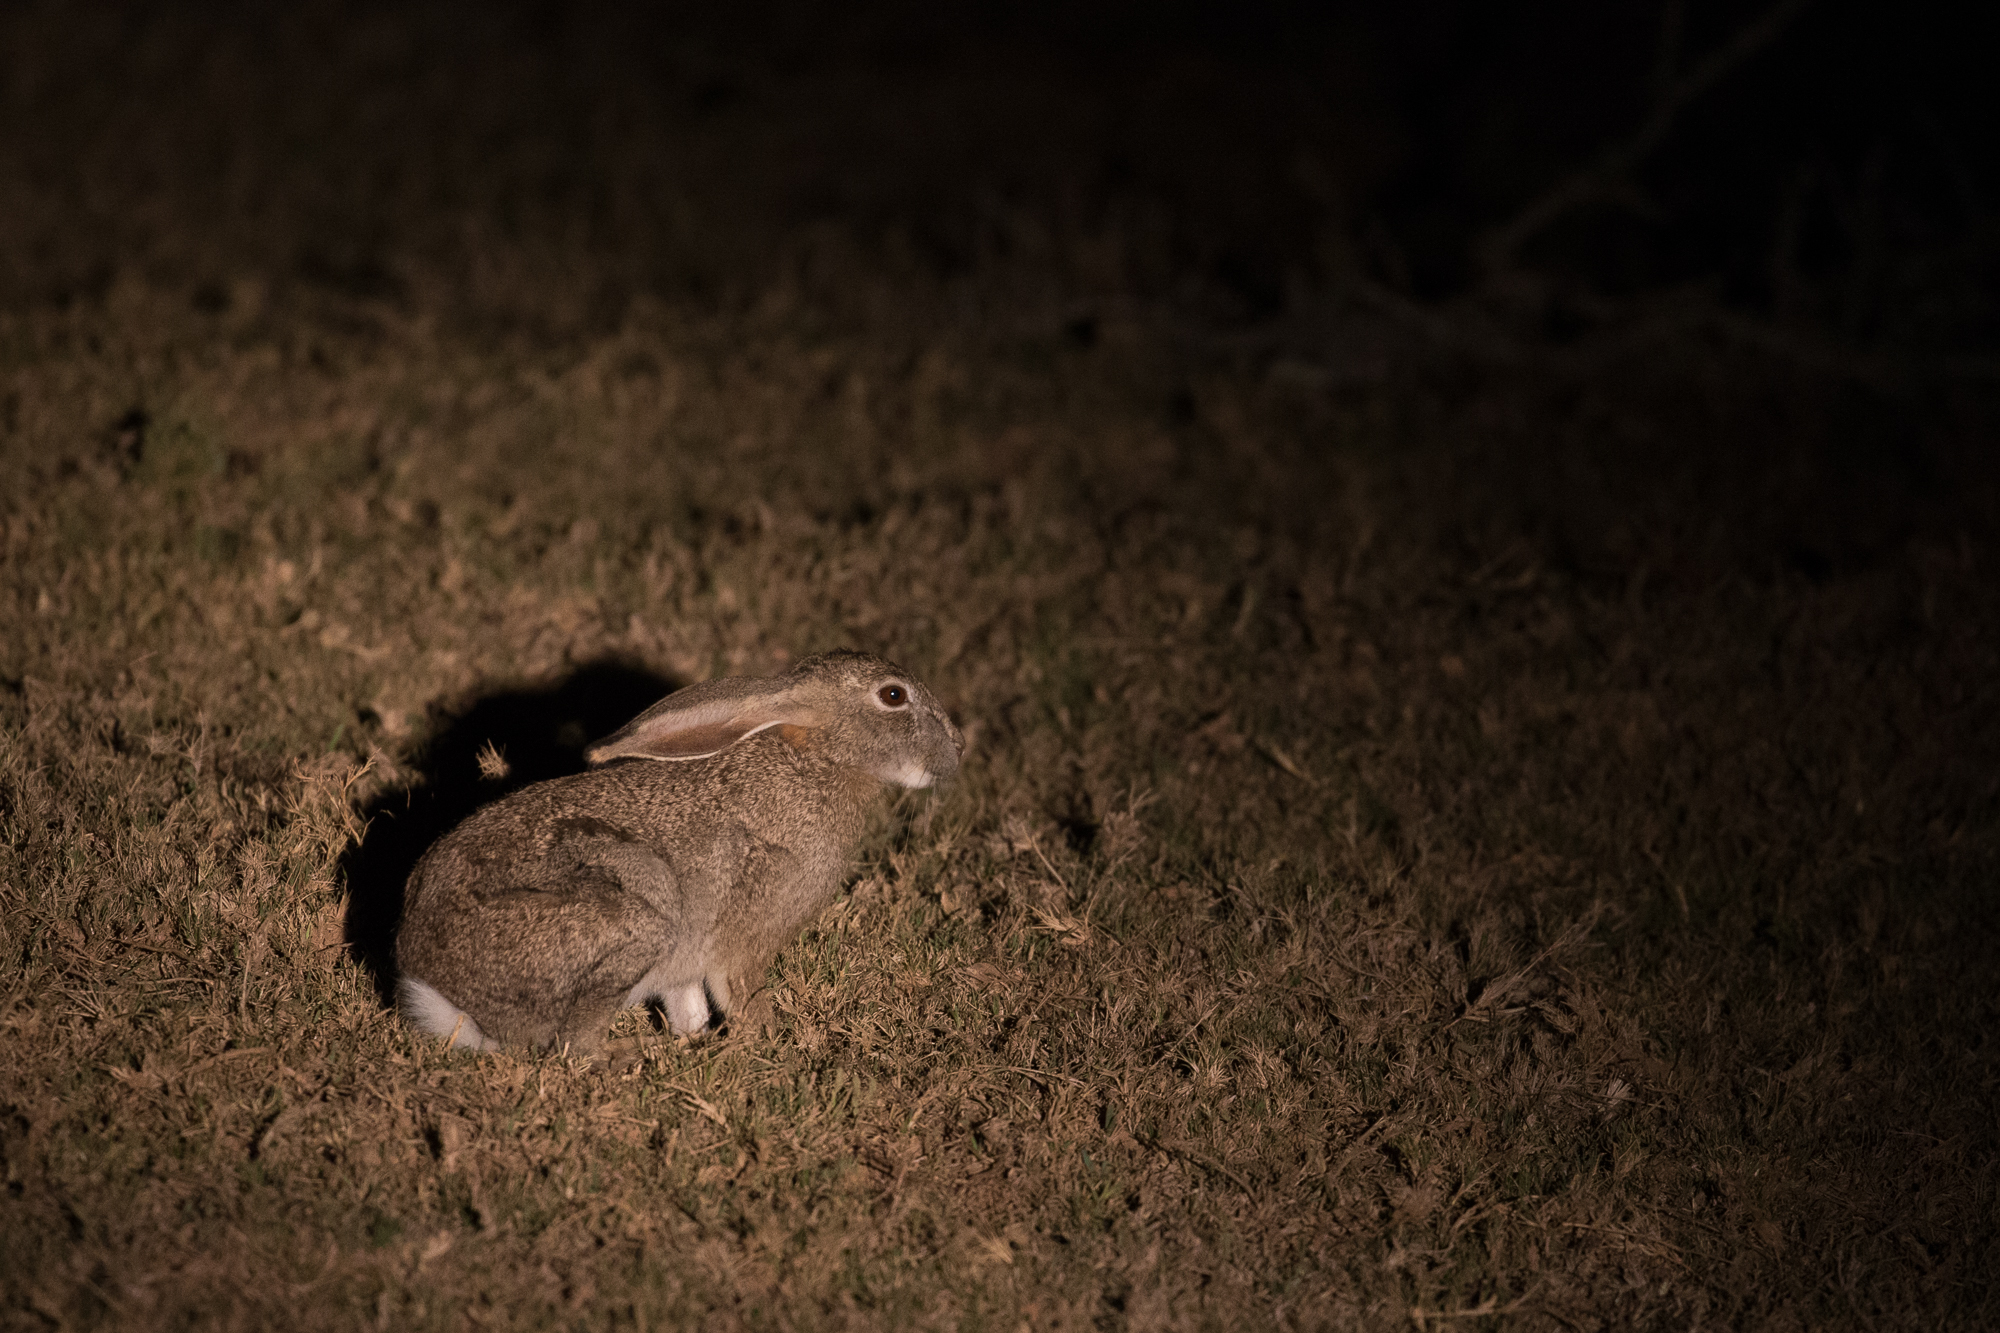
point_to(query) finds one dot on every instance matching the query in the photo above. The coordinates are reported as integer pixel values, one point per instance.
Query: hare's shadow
(537, 733)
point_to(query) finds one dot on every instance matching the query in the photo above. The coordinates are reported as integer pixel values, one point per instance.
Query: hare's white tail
(427, 1011)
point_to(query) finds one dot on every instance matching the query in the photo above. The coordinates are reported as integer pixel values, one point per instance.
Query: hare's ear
(705, 719)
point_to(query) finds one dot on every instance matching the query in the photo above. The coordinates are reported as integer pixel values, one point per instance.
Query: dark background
(1257, 157)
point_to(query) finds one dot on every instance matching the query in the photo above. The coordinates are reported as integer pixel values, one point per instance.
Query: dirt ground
(1482, 797)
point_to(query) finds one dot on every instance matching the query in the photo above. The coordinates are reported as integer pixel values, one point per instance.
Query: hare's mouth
(909, 773)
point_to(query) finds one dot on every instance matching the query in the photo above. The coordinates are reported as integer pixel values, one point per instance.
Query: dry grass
(1444, 842)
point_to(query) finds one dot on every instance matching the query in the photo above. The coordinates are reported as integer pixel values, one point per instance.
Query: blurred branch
(1610, 176)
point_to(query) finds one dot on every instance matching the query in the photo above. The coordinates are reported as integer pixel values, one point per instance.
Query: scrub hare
(708, 831)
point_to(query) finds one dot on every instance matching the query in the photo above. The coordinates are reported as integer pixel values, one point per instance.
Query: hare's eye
(893, 696)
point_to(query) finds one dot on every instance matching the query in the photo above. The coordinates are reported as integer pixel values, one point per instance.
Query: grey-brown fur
(717, 823)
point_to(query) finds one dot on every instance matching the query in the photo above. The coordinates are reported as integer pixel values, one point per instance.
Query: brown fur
(540, 914)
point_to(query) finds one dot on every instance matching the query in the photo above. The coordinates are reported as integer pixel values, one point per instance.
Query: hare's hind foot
(755, 1017)
(424, 1009)
(745, 1003)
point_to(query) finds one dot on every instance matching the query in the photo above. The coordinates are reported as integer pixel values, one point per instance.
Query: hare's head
(854, 709)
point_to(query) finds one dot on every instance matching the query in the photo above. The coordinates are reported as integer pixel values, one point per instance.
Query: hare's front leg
(687, 1009)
